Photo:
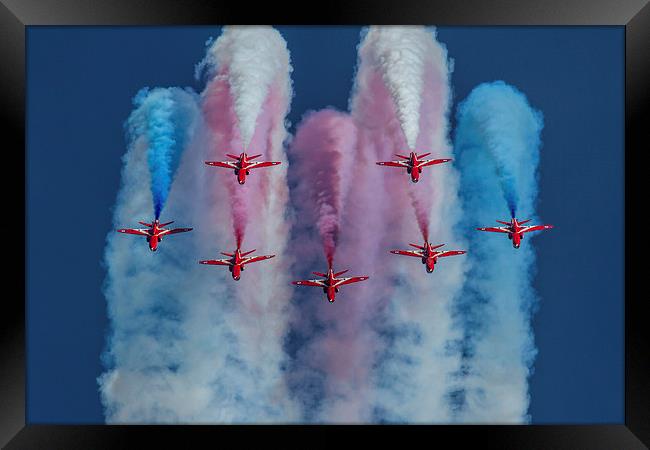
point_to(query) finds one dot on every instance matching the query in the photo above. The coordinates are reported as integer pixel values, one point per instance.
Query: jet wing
(253, 259)
(450, 253)
(226, 164)
(350, 280)
(535, 228)
(174, 231)
(393, 163)
(317, 283)
(417, 254)
(432, 162)
(495, 229)
(257, 165)
(217, 262)
(138, 231)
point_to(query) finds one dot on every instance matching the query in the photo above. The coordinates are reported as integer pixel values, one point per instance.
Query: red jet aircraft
(331, 283)
(154, 233)
(515, 230)
(242, 165)
(236, 261)
(414, 164)
(428, 254)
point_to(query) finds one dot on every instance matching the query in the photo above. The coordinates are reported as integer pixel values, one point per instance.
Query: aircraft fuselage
(414, 170)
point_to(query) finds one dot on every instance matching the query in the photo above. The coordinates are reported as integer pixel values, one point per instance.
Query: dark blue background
(80, 84)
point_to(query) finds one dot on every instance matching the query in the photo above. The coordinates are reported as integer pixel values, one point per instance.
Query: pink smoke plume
(377, 215)
(324, 149)
(368, 208)
(219, 114)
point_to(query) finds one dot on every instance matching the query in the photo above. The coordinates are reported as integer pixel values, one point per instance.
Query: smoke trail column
(244, 104)
(401, 101)
(498, 140)
(149, 373)
(324, 151)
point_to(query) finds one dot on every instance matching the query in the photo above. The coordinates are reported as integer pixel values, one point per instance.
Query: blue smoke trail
(497, 142)
(498, 118)
(162, 117)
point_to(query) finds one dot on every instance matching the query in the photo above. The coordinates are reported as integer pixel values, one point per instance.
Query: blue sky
(80, 84)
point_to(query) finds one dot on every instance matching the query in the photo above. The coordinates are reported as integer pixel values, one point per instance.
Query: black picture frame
(15, 15)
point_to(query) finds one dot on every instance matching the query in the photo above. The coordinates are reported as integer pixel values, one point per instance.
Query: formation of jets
(331, 281)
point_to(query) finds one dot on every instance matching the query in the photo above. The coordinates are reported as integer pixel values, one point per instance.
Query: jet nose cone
(242, 182)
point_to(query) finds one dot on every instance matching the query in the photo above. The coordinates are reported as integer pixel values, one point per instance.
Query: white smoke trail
(254, 56)
(399, 53)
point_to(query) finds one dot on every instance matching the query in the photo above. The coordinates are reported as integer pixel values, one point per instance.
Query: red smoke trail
(219, 113)
(422, 210)
(239, 214)
(324, 149)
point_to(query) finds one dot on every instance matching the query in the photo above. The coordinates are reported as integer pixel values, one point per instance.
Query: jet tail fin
(227, 254)
(165, 224)
(525, 221)
(145, 224)
(416, 246)
(319, 274)
(254, 156)
(423, 155)
(402, 156)
(232, 156)
(437, 246)
(337, 274)
(505, 223)
(248, 253)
